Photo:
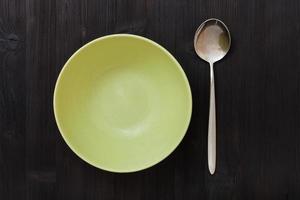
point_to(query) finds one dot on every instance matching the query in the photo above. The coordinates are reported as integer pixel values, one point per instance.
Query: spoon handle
(212, 125)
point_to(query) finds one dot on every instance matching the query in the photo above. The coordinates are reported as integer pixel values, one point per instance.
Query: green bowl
(122, 103)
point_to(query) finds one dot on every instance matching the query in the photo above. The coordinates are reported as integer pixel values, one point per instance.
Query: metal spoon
(212, 42)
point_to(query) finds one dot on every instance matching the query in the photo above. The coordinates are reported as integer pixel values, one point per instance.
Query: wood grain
(257, 96)
(12, 100)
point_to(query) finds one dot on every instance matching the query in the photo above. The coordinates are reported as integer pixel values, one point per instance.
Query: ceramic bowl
(122, 103)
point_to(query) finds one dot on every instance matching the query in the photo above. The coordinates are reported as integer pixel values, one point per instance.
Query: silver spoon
(212, 42)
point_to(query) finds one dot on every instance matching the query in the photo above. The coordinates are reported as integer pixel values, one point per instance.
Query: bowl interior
(122, 103)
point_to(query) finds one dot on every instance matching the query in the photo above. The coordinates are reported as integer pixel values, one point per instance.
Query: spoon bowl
(212, 40)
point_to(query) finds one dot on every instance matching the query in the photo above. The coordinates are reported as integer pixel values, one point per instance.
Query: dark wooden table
(257, 95)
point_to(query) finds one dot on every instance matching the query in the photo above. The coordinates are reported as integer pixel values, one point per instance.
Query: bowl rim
(164, 154)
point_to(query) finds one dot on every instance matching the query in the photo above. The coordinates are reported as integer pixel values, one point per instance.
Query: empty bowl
(122, 103)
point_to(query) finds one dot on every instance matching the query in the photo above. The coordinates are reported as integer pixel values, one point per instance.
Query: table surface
(257, 96)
